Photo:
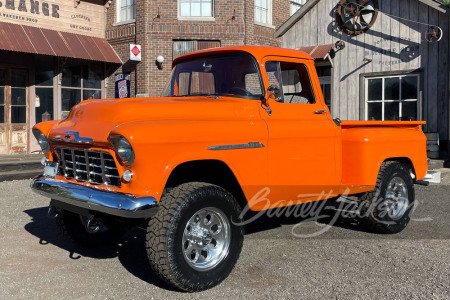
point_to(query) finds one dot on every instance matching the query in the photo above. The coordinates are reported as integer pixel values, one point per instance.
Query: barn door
(13, 111)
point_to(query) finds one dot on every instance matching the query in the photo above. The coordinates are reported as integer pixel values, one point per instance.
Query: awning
(22, 38)
(321, 52)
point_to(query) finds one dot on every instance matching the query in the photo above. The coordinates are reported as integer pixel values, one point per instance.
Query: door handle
(320, 112)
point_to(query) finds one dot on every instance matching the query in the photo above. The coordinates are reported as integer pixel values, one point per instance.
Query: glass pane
(70, 97)
(2, 114)
(207, 9)
(375, 111)
(185, 9)
(44, 71)
(326, 89)
(409, 111)
(257, 15)
(18, 96)
(2, 77)
(409, 87)
(92, 76)
(252, 83)
(264, 16)
(44, 104)
(91, 94)
(18, 114)
(195, 9)
(18, 78)
(374, 87)
(71, 75)
(272, 73)
(392, 88)
(391, 111)
(2, 95)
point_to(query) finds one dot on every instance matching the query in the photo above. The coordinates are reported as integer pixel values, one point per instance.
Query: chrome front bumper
(112, 203)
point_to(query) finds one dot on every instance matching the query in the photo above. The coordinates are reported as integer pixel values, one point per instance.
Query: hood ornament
(73, 137)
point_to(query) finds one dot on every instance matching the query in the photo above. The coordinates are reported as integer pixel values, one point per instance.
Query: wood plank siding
(396, 45)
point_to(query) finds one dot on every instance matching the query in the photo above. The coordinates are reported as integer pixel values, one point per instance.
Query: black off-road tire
(70, 226)
(373, 204)
(165, 232)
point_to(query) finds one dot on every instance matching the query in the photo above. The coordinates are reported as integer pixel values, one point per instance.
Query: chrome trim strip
(251, 145)
(76, 138)
(113, 203)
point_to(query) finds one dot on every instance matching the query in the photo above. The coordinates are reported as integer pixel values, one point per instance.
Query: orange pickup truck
(236, 127)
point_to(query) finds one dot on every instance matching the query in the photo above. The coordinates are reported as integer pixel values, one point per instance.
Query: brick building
(172, 28)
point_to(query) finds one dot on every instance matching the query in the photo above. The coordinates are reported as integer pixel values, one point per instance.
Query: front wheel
(193, 242)
(388, 208)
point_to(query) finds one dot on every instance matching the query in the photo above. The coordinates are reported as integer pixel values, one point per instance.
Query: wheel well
(209, 171)
(404, 161)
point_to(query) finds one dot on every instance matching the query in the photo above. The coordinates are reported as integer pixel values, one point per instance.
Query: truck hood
(97, 118)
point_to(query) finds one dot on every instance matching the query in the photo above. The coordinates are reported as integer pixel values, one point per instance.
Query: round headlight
(123, 149)
(42, 140)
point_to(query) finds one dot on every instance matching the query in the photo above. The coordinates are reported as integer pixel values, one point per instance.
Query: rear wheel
(192, 242)
(388, 208)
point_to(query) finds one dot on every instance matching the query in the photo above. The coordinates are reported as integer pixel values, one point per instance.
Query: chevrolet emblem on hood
(73, 137)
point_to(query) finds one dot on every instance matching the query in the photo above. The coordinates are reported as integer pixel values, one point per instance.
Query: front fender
(161, 146)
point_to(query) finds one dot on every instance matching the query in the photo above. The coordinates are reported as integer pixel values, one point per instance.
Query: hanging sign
(135, 52)
(123, 84)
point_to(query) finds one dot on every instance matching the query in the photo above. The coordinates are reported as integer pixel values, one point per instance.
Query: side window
(293, 79)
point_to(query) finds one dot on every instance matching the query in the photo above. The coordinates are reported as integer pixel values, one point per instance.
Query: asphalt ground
(279, 260)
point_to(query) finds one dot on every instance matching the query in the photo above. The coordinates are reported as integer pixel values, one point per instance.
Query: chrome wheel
(206, 239)
(396, 198)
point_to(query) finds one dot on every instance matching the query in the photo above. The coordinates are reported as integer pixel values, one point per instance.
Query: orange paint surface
(305, 157)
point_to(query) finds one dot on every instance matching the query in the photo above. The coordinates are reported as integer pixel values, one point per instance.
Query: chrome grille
(92, 166)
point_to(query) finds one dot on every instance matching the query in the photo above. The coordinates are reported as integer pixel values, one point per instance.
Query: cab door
(302, 136)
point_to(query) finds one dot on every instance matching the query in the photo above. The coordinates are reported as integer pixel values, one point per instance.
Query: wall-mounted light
(233, 18)
(158, 16)
(159, 62)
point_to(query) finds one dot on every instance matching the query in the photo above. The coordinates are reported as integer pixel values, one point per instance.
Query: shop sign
(123, 84)
(135, 52)
(84, 18)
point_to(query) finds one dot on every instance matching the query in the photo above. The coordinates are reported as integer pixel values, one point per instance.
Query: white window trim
(269, 15)
(118, 23)
(383, 101)
(184, 18)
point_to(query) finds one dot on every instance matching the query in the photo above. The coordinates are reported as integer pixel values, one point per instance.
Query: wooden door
(14, 111)
(3, 113)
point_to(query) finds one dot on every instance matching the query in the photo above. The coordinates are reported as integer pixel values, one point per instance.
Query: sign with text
(63, 15)
(135, 52)
(123, 85)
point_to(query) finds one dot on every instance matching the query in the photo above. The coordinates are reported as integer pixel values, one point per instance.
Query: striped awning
(22, 38)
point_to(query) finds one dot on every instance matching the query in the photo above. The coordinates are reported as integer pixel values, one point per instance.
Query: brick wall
(156, 35)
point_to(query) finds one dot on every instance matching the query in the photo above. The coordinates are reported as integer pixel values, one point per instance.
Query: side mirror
(274, 91)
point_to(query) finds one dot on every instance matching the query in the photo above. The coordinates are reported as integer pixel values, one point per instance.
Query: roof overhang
(22, 38)
(321, 53)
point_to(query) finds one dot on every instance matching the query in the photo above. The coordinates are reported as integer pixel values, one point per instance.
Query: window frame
(311, 83)
(269, 14)
(364, 113)
(118, 15)
(296, 3)
(196, 18)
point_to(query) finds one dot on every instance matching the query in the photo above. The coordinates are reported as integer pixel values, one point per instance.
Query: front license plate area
(50, 169)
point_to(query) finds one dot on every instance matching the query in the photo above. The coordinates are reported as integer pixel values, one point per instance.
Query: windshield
(234, 74)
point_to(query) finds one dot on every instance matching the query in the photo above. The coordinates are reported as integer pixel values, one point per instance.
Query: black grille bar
(95, 167)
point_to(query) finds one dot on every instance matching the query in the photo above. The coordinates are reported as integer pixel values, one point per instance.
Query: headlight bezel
(123, 149)
(42, 140)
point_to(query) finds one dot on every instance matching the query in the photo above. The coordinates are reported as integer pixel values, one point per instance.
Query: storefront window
(392, 98)
(44, 88)
(80, 81)
(18, 96)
